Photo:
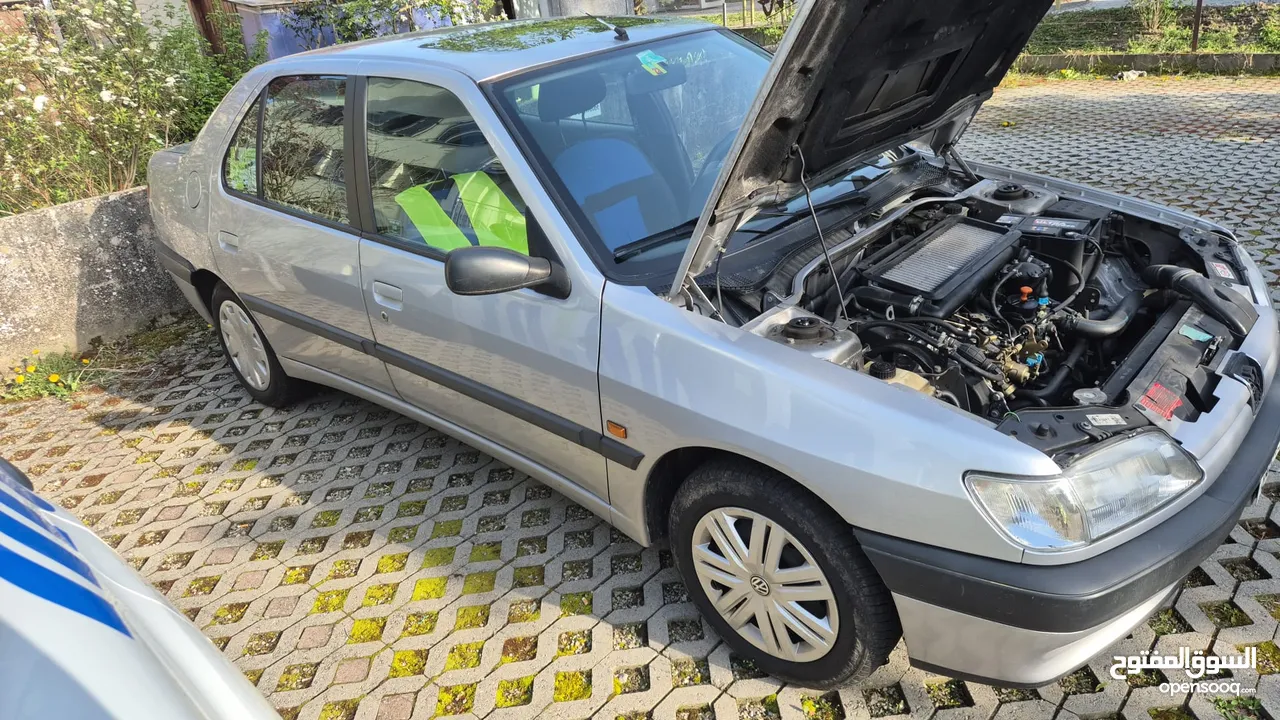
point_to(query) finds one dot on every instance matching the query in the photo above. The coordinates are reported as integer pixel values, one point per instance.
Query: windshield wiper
(670, 235)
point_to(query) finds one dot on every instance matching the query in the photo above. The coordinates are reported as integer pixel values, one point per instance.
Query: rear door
(282, 229)
(517, 368)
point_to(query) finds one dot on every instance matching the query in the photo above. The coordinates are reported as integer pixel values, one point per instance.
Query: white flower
(107, 96)
(39, 103)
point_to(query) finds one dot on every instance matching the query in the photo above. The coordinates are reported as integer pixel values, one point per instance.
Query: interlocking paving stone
(354, 563)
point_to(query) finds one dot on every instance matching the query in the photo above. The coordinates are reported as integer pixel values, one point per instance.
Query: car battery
(1056, 239)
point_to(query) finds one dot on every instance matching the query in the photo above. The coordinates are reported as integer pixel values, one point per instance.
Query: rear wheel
(247, 350)
(780, 576)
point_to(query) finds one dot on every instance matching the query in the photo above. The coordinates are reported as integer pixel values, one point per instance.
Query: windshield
(634, 139)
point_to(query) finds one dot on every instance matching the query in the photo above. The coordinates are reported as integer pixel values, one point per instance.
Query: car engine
(1002, 297)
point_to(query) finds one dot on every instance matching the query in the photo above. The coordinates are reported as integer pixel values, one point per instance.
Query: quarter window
(240, 171)
(434, 178)
(302, 145)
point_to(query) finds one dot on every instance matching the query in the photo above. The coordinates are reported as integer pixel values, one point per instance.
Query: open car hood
(852, 78)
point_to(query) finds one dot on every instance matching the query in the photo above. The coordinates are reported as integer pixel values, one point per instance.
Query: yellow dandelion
(31, 368)
(84, 361)
(20, 379)
(35, 352)
(53, 378)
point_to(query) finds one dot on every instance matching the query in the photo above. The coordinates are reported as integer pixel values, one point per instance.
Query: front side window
(240, 169)
(302, 145)
(433, 177)
(634, 139)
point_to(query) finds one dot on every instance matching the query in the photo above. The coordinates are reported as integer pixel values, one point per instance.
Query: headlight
(1100, 492)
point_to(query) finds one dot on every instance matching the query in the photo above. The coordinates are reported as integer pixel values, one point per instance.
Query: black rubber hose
(992, 376)
(1041, 394)
(1197, 287)
(1091, 266)
(1120, 318)
(900, 327)
(915, 352)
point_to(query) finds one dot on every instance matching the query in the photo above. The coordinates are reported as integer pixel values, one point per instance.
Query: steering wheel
(705, 181)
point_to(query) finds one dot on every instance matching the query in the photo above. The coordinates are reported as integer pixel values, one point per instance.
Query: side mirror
(487, 270)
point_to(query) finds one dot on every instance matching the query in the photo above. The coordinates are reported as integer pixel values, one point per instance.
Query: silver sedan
(758, 308)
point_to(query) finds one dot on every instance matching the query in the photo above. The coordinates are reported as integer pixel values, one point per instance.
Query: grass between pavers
(1239, 708)
(572, 685)
(513, 693)
(1268, 657)
(1169, 713)
(61, 374)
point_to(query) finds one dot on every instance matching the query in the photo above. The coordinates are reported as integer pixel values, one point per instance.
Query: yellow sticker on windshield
(652, 62)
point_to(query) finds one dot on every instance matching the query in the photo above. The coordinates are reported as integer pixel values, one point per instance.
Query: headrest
(570, 95)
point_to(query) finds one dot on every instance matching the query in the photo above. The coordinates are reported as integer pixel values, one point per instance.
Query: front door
(517, 368)
(283, 238)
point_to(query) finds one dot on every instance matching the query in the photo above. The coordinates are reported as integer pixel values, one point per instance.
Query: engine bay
(1002, 300)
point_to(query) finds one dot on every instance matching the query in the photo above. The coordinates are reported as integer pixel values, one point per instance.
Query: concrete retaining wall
(1190, 62)
(77, 272)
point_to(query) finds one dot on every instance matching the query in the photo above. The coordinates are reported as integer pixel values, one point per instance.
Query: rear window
(302, 145)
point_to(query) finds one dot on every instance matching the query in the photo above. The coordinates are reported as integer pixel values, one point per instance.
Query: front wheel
(779, 575)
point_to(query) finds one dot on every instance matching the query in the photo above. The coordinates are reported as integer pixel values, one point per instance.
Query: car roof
(494, 49)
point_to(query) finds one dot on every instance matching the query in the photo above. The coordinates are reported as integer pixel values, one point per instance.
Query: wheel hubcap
(244, 345)
(765, 584)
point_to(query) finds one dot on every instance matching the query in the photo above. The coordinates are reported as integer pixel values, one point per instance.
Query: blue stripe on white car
(49, 542)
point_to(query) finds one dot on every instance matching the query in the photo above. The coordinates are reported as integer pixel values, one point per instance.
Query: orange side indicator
(616, 430)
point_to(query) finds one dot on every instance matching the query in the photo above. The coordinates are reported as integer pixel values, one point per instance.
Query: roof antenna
(618, 32)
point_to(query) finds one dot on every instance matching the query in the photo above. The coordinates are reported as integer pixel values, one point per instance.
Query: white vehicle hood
(82, 636)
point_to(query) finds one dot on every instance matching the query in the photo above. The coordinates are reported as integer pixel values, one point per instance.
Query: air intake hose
(1113, 325)
(1212, 300)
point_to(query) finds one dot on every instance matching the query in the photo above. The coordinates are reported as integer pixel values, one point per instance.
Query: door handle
(388, 296)
(228, 242)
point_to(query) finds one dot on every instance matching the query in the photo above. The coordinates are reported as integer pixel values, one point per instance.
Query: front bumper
(1027, 625)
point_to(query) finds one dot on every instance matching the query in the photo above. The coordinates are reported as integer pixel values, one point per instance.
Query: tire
(248, 353)
(863, 628)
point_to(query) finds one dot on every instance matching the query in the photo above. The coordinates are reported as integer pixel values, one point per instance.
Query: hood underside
(852, 77)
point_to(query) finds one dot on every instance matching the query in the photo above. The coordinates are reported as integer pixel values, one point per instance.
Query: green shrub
(89, 91)
(1269, 35)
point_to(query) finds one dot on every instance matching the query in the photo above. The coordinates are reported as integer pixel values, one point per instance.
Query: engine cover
(938, 270)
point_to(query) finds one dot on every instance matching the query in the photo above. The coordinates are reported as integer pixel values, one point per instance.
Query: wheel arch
(671, 471)
(204, 281)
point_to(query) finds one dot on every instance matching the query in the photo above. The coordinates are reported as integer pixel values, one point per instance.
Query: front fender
(886, 458)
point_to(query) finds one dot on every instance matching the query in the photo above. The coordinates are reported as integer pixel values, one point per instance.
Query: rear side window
(433, 177)
(302, 145)
(240, 170)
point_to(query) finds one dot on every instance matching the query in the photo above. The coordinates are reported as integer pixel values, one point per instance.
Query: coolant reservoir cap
(803, 328)
(882, 369)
